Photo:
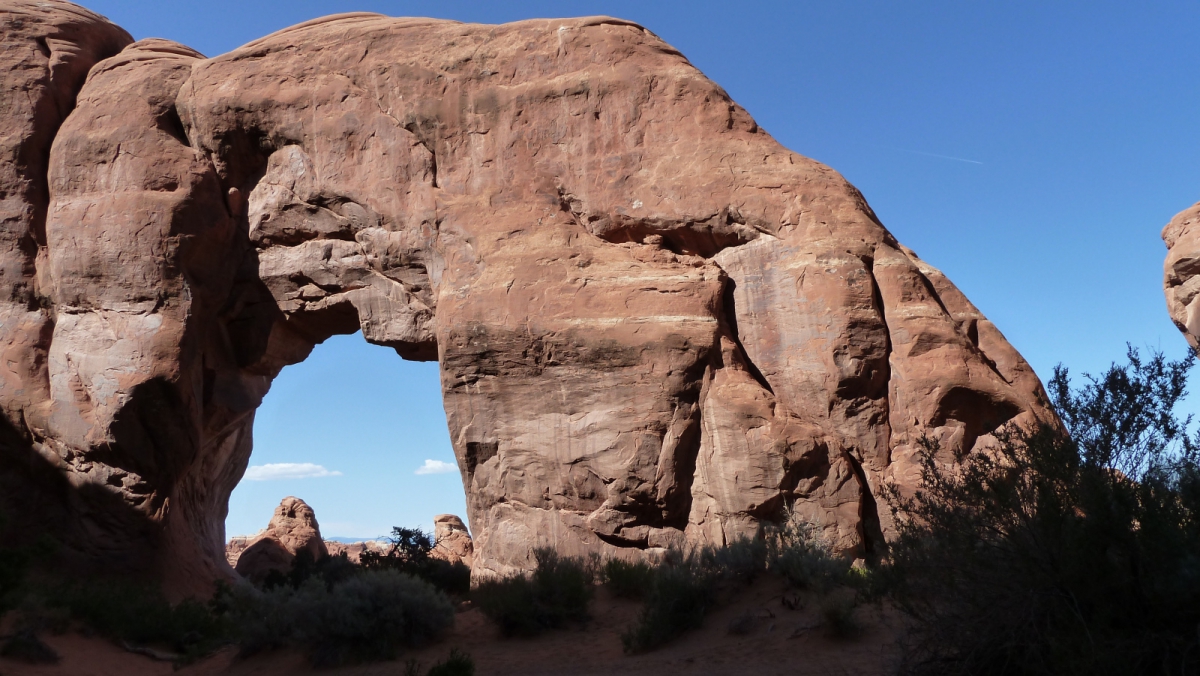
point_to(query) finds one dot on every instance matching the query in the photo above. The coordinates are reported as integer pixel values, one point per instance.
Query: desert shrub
(1061, 550)
(370, 616)
(511, 603)
(627, 579)
(330, 570)
(741, 560)
(25, 646)
(678, 592)
(13, 566)
(681, 594)
(410, 553)
(134, 614)
(262, 619)
(456, 664)
(838, 615)
(557, 592)
(798, 553)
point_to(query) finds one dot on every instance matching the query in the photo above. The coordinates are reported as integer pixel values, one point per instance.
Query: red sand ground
(781, 641)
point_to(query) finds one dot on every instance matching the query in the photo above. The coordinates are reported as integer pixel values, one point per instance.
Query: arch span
(655, 325)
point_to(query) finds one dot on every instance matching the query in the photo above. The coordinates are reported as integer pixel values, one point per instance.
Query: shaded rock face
(1181, 272)
(292, 529)
(655, 325)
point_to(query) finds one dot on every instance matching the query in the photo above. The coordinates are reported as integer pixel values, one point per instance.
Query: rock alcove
(655, 325)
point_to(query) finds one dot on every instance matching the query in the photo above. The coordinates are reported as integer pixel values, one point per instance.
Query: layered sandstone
(655, 325)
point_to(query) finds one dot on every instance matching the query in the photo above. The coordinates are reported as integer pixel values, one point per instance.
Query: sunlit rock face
(293, 529)
(1181, 272)
(452, 540)
(656, 326)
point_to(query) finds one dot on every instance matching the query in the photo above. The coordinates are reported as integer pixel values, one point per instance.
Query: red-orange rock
(47, 51)
(1181, 272)
(292, 529)
(355, 550)
(452, 540)
(655, 325)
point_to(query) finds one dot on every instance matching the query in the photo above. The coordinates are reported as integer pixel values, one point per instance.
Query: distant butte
(655, 325)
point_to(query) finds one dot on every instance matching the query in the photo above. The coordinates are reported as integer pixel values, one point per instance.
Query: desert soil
(780, 640)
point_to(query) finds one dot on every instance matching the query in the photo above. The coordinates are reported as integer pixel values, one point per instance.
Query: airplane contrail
(944, 157)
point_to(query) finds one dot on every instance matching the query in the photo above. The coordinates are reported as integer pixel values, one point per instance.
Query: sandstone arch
(655, 325)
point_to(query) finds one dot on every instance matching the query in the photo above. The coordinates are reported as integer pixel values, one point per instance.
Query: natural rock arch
(655, 325)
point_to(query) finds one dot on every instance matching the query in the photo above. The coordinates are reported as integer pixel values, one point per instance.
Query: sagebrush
(370, 616)
(1061, 549)
(558, 592)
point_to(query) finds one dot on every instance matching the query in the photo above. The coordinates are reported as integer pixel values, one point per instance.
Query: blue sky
(1031, 150)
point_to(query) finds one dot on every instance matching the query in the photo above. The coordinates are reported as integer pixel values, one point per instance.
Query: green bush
(1062, 550)
(369, 616)
(627, 579)
(681, 594)
(135, 614)
(333, 609)
(798, 553)
(742, 560)
(457, 664)
(330, 570)
(410, 554)
(838, 618)
(558, 592)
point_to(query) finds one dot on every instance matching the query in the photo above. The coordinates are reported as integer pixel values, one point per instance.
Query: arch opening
(360, 435)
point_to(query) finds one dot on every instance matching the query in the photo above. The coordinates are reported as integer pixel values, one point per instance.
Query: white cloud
(287, 470)
(437, 467)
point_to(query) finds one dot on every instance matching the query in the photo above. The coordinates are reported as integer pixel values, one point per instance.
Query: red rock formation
(48, 49)
(452, 540)
(655, 325)
(292, 529)
(355, 550)
(1181, 272)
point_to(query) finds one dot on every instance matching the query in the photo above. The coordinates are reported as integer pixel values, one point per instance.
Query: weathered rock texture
(452, 540)
(1181, 278)
(292, 529)
(355, 550)
(655, 325)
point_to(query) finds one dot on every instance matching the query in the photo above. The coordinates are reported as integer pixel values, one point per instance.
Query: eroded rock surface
(292, 529)
(452, 540)
(655, 325)
(355, 550)
(1181, 272)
